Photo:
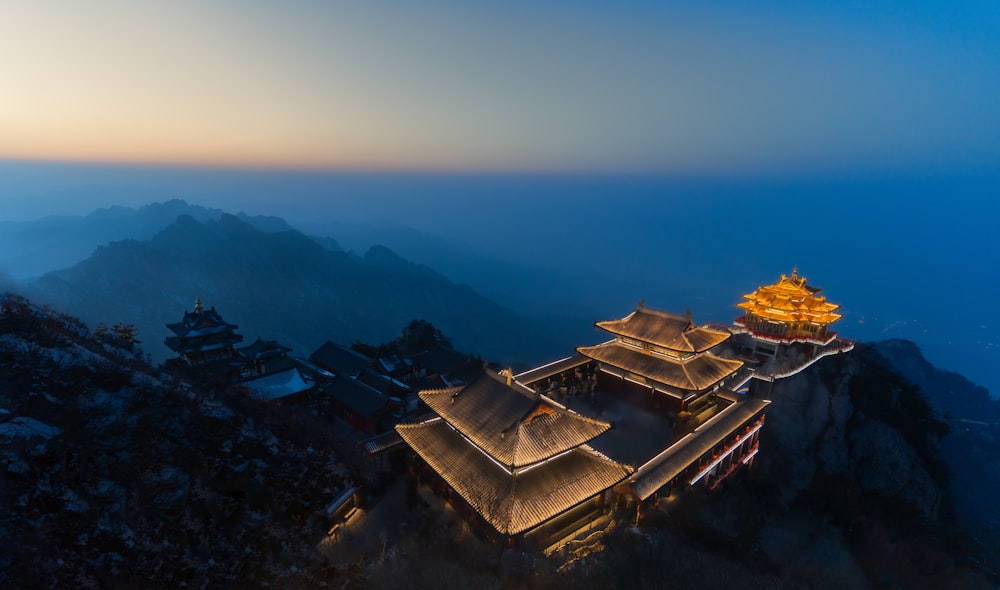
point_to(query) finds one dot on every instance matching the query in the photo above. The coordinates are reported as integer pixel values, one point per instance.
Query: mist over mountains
(284, 285)
(29, 249)
(891, 250)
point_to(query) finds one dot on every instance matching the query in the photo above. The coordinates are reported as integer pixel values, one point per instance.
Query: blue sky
(592, 87)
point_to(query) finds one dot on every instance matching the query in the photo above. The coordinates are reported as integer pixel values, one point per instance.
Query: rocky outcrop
(115, 475)
(818, 429)
(883, 463)
(806, 429)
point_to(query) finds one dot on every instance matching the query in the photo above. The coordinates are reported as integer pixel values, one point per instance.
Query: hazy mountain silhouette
(287, 286)
(972, 447)
(31, 248)
(533, 287)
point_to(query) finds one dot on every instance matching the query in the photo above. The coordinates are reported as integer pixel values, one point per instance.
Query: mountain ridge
(283, 285)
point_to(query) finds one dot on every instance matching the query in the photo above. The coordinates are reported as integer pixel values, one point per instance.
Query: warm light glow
(466, 87)
(722, 456)
(790, 300)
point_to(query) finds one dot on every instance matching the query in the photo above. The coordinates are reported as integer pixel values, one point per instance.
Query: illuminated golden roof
(697, 373)
(511, 502)
(510, 422)
(791, 299)
(665, 329)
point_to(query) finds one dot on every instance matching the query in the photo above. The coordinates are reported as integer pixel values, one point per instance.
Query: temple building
(664, 356)
(264, 357)
(518, 460)
(786, 327)
(268, 373)
(535, 456)
(788, 311)
(203, 338)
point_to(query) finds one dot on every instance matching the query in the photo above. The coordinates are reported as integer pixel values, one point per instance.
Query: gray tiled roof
(685, 452)
(697, 373)
(665, 329)
(510, 422)
(511, 502)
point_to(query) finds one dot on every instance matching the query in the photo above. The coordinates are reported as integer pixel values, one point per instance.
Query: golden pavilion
(789, 311)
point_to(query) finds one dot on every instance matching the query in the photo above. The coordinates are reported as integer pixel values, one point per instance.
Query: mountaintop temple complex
(559, 452)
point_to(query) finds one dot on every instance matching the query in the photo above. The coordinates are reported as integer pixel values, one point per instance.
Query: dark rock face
(949, 392)
(972, 447)
(113, 474)
(882, 463)
(819, 428)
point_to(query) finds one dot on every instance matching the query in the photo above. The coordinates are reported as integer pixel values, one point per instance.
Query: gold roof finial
(198, 307)
(510, 376)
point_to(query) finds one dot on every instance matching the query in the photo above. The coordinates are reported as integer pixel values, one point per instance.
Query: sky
(704, 87)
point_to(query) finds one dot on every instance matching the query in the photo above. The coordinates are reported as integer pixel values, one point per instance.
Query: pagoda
(517, 459)
(202, 337)
(788, 312)
(663, 355)
(263, 357)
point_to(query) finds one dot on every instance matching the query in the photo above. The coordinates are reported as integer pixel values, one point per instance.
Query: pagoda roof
(277, 385)
(554, 368)
(664, 329)
(263, 349)
(203, 343)
(201, 323)
(511, 502)
(791, 299)
(696, 373)
(511, 423)
(340, 359)
(381, 382)
(357, 396)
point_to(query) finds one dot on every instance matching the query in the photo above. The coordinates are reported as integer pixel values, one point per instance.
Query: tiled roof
(357, 396)
(697, 373)
(790, 300)
(340, 359)
(510, 422)
(200, 324)
(665, 329)
(554, 368)
(262, 349)
(660, 471)
(277, 385)
(511, 503)
(381, 442)
(205, 343)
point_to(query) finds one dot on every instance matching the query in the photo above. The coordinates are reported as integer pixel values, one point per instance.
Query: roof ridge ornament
(198, 307)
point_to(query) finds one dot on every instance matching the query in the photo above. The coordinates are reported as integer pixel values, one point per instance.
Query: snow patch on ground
(27, 427)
